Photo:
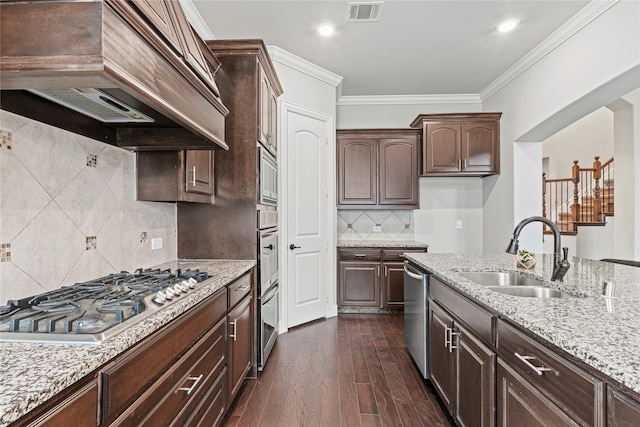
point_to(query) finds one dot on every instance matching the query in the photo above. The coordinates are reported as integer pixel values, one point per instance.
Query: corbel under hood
(141, 58)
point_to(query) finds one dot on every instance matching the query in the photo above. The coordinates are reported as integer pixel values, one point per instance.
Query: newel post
(597, 202)
(575, 178)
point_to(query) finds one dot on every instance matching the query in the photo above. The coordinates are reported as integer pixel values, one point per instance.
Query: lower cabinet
(240, 331)
(462, 369)
(622, 409)
(372, 278)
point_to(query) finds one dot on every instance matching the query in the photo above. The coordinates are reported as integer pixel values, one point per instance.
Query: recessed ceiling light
(508, 25)
(326, 30)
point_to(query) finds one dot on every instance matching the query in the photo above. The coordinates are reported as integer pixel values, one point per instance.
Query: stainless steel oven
(269, 323)
(268, 176)
(267, 259)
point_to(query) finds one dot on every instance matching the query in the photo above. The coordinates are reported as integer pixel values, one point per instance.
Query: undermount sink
(500, 278)
(530, 291)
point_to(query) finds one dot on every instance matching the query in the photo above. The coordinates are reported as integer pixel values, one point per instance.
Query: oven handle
(272, 292)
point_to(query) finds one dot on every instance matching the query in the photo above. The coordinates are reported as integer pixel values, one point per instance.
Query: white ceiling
(416, 48)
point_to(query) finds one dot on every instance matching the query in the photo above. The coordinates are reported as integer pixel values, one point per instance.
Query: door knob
(292, 246)
(270, 247)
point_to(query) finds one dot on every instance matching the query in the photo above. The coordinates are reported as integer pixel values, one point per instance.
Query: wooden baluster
(597, 202)
(575, 178)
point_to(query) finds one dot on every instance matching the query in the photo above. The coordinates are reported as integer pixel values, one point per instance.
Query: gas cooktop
(92, 311)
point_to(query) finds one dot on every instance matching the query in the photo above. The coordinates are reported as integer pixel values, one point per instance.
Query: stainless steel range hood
(129, 73)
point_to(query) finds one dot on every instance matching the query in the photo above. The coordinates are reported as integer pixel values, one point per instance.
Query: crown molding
(581, 19)
(409, 99)
(196, 20)
(289, 59)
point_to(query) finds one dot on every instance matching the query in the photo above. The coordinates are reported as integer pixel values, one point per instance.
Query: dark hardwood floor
(351, 370)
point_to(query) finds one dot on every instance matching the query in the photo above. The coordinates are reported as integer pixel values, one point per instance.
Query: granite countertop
(602, 332)
(381, 244)
(32, 373)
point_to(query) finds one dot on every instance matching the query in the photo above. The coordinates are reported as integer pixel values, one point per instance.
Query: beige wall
(68, 211)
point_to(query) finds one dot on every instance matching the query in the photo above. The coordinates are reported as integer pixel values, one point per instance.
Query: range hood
(129, 73)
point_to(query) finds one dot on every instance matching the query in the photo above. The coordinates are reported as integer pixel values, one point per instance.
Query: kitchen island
(33, 373)
(600, 335)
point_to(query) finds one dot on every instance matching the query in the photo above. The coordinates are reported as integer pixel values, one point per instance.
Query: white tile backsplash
(52, 201)
(354, 224)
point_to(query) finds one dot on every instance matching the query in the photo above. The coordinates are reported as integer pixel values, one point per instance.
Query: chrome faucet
(560, 263)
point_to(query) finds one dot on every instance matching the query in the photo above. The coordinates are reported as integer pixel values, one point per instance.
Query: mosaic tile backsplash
(375, 225)
(68, 210)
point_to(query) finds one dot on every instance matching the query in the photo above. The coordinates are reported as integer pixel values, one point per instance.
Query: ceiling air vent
(364, 11)
(94, 103)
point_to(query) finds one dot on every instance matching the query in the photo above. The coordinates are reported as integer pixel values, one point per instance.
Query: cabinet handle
(195, 380)
(235, 324)
(385, 271)
(378, 271)
(447, 330)
(244, 288)
(451, 335)
(464, 163)
(536, 369)
(360, 255)
(458, 164)
(193, 175)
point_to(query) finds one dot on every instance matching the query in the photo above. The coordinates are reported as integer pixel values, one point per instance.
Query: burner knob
(177, 288)
(185, 286)
(160, 297)
(170, 293)
(192, 282)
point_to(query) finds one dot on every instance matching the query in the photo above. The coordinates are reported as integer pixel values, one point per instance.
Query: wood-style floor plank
(348, 371)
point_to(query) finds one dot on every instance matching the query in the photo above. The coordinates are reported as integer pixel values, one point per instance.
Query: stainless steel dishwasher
(416, 328)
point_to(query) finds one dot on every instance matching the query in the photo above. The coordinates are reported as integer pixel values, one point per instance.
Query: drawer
(359, 254)
(124, 380)
(172, 398)
(475, 317)
(211, 409)
(398, 254)
(239, 289)
(579, 394)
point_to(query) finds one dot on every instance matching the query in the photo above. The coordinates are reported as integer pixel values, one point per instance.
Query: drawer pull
(536, 369)
(360, 255)
(235, 324)
(451, 335)
(244, 288)
(447, 331)
(195, 380)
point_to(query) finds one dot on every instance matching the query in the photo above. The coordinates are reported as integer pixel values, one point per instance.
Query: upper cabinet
(378, 168)
(268, 124)
(460, 144)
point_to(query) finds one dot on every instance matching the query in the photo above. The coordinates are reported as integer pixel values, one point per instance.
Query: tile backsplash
(68, 210)
(360, 225)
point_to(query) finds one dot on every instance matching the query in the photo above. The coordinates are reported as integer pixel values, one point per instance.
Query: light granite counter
(381, 244)
(32, 373)
(602, 332)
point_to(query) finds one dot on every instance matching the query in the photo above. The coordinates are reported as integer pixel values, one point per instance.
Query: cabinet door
(240, 332)
(79, 409)
(622, 410)
(199, 170)
(398, 170)
(273, 120)
(158, 13)
(357, 171)
(393, 285)
(359, 284)
(266, 116)
(442, 148)
(479, 147)
(441, 361)
(520, 404)
(475, 381)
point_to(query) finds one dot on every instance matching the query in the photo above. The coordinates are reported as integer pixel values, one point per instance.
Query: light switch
(156, 243)
(459, 224)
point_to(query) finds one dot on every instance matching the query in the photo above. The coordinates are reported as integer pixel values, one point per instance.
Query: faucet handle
(565, 253)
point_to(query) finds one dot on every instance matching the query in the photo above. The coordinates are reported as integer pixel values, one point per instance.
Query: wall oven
(268, 177)
(269, 322)
(268, 287)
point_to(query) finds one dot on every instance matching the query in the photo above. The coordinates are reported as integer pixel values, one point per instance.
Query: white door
(307, 215)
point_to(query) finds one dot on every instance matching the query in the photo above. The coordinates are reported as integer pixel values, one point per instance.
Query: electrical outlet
(459, 224)
(156, 243)
(377, 229)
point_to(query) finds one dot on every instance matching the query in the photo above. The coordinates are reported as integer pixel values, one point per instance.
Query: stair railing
(581, 199)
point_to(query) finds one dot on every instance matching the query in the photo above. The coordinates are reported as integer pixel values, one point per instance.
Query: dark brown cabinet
(622, 409)
(462, 369)
(372, 278)
(562, 389)
(176, 176)
(239, 322)
(460, 144)
(268, 105)
(377, 168)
